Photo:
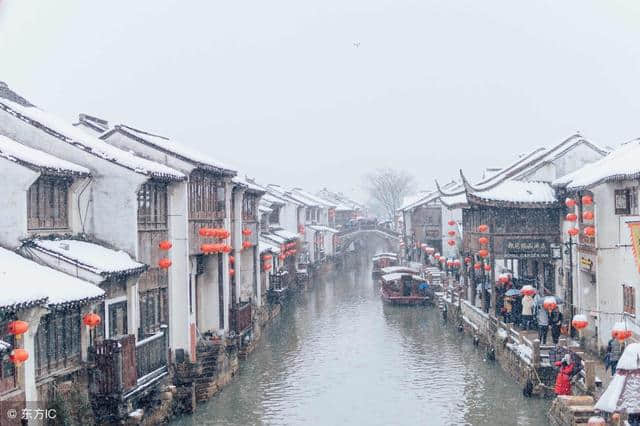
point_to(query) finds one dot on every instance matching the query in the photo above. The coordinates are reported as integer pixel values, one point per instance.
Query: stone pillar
(228, 186)
(257, 285)
(133, 307)
(178, 286)
(27, 371)
(236, 233)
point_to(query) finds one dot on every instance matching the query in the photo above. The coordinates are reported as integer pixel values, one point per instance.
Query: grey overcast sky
(278, 88)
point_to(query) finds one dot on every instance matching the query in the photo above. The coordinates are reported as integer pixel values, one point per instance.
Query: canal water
(338, 356)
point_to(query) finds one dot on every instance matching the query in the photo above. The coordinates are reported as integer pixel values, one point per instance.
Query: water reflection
(337, 355)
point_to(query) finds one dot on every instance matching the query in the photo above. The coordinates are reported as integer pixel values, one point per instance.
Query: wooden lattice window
(57, 341)
(152, 205)
(629, 299)
(249, 203)
(206, 196)
(47, 203)
(622, 201)
(153, 310)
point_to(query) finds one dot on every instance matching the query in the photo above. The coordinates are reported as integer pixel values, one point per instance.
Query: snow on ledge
(16, 152)
(23, 281)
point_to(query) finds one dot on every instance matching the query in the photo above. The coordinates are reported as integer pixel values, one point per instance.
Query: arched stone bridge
(367, 234)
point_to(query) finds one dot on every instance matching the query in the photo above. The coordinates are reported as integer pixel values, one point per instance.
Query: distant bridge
(367, 233)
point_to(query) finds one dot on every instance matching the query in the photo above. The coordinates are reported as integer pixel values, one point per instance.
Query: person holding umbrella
(527, 309)
(543, 320)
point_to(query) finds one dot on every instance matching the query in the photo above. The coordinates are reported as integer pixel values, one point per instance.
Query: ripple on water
(337, 355)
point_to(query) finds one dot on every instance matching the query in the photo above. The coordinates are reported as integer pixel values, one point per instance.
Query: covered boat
(404, 288)
(383, 260)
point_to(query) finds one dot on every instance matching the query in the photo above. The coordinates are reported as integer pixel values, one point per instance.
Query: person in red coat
(563, 379)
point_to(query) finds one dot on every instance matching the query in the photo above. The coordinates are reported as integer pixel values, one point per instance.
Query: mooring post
(590, 375)
(536, 353)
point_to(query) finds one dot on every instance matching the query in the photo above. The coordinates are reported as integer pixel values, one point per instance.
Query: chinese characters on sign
(523, 249)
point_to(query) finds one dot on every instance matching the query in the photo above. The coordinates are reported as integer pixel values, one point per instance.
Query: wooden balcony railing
(151, 355)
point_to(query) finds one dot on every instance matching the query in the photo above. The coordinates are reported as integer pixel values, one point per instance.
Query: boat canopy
(402, 269)
(398, 275)
(385, 255)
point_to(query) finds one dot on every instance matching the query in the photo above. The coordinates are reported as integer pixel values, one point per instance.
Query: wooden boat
(383, 260)
(403, 288)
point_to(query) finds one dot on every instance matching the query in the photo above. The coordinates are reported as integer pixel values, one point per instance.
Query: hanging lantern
(282, 257)
(570, 202)
(503, 278)
(91, 320)
(164, 263)
(451, 222)
(589, 231)
(549, 303)
(246, 244)
(587, 200)
(451, 233)
(588, 215)
(467, 260)
(165, 245)
(246, 231)
(451, 243)
(204, 232)
(232, 271)
(487, 267)
(266, 267)
(573, 231)
(232, 259)
(477, 266)
(571, 217)
(579, 321)
(18, 356)
(620, 332)
(483, 228)
(267, 257)
(483, 253)
(17, 328)
(483, 241)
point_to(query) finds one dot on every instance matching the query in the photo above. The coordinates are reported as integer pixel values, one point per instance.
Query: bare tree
(388, 187)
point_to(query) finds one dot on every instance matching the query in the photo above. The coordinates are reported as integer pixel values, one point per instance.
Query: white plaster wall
(246, 274)
(208, 307)
(13, 192)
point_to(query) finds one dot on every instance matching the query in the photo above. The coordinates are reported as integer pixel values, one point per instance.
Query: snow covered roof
(98, 125)
(621, 164)
(323, 228)
(398, 275)
(283, 233)
(401, 269)
(38, 160)
(26, 283)
(321, 202)
(262, 208)
(342, 201)
(251, 186)
(518, 192)
(264, 246)
(4, 347)
(89, 256)
(623, 392)
(379, 255)
(272, 238)
(68, 133)
(172, 147)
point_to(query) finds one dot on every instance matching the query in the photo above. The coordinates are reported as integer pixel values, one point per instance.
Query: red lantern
(451, 222)
(267, 257)
(483, 241)
(17, 328)
(165, 245)
(620, 332)
(164, 263)
(588, 216)
(477, 266)
(549, 303)
(483, 228)
(467, 260)
(18, 356)
(487, 267)
(483, 253)
(282, 257)
(589, 231)
(587, 200)
(266, 267)
(226, 248)
(91, 320)
(246, 231)
(571, 217)
(232, 271)
(451, 242)
(573, 231)
(246, 244)
(570, 202)
(579, 321)
(451, 233)
(232, 259)
(204, 232)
